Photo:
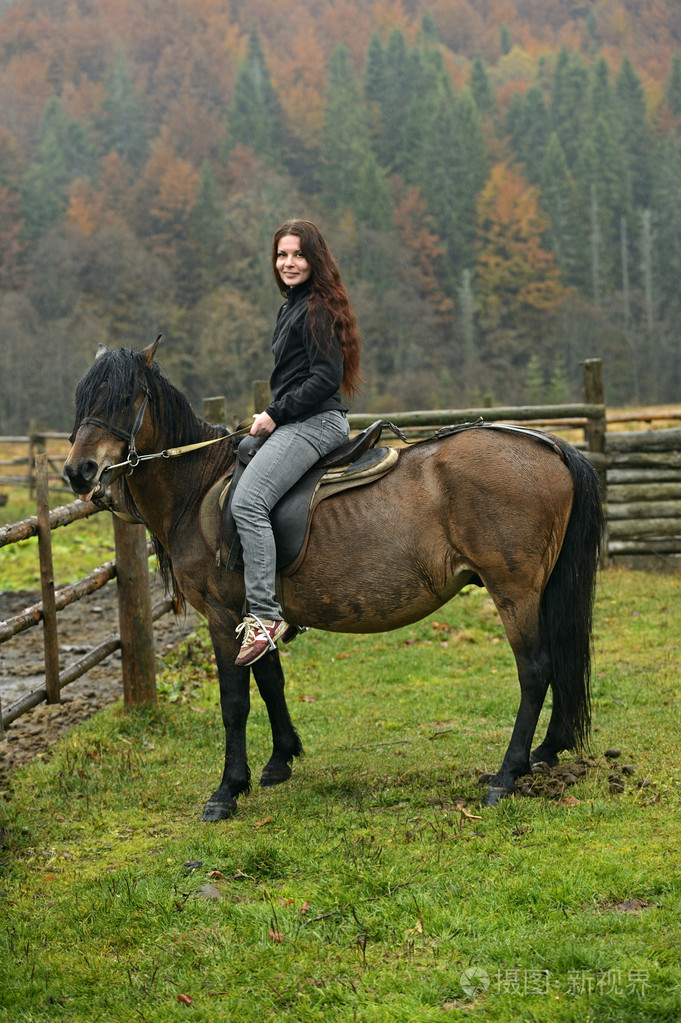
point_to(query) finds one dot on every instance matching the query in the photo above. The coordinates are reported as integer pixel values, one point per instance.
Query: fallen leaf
(307, 699)
(305, 906)
(265, 820)
(50, 877)
(570, 801)
(215, 873)
(275, 936)
(185, 999)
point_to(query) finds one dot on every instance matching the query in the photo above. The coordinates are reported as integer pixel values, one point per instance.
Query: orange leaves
(516, 272)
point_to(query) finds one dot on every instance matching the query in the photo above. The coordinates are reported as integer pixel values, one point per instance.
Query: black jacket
(307, 375)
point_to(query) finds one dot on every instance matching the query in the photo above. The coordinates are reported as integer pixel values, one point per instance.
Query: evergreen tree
(557, 199)
(123, 124)
(634, 132)
(603, 189)
(351, 176)
(64, 152)
(536, 130)
(515, 123)
(559, 384)
(569, 104)
(601, 98)
(430, 87)
(667, 220)
(535, 384)
(207, 228)
(374, 71)
(505, 39)
(453, 171)
(480, 87)
(398, 89)
(672, 93)
(255, 117)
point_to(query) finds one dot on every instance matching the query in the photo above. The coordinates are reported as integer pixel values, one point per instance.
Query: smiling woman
(316, 355)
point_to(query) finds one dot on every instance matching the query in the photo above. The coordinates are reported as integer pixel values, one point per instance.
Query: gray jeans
(287, 454)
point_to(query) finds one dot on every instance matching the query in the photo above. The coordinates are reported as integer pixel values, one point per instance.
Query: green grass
(366, 886)
(77, 549)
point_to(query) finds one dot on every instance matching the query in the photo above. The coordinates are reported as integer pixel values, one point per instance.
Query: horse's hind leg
(286, 743)
(555, 741)
(533, 674)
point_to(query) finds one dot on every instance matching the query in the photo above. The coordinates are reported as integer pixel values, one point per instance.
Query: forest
(499, 180)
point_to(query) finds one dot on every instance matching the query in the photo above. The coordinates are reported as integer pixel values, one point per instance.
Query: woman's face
(291, 264)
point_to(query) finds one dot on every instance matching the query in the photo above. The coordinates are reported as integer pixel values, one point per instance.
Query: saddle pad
(292, 514)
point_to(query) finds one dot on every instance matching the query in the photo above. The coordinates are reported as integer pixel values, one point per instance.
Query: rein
(112, 472)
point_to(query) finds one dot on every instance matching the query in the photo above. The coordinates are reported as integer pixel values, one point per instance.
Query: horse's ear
(150, 351)
(101, 350)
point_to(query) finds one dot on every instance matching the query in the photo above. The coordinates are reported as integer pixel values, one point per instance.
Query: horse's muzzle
(83, 477)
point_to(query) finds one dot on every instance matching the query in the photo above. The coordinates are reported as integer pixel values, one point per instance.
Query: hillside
(499, 179)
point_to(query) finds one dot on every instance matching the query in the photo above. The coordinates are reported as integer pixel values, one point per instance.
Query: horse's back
(480, 503)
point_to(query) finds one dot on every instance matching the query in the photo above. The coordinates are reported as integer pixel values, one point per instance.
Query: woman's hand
(263, 425)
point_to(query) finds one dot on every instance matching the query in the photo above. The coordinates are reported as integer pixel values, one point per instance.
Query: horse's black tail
(567, 606)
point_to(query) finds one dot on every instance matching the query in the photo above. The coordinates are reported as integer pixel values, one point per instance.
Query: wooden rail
(136, 615)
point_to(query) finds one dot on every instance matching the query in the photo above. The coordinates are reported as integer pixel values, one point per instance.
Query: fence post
(134, 614)
(36, 444)
(261, 395)
(594, 394)
(50, 641)
(215, 410)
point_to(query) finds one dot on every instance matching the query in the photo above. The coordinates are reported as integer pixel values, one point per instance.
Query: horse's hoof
(536, 759)
(495, 793)
(275, 776)
(215, 811)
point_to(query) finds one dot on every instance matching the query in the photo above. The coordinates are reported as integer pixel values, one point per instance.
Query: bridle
(112, 472)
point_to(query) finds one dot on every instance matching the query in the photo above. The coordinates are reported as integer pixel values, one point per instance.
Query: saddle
(356, 463)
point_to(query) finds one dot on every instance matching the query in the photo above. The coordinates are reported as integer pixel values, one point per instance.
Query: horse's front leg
(286, 743)
(235, 705)
(533, 677)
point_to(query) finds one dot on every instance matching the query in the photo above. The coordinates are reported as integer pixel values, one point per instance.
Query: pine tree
(603, 189)
(672, 93)
(569, 104)
(557, 199)
(535, 384)
(398, 89)
(480, 87)
(634, 135)
(351, 176)
(255, 117)
(65, 152)
(123, 124)
(667, 219)
(207, 227)
(534, 132)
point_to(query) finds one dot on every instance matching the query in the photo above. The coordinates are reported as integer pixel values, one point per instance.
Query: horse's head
(111, 417)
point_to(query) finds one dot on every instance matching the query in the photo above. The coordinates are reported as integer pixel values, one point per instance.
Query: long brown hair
(327, 296)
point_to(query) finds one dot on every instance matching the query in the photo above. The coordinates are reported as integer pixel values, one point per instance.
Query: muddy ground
(80, 627)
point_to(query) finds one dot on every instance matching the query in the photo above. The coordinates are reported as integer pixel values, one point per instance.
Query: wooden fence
(136, 615)
(644, 495)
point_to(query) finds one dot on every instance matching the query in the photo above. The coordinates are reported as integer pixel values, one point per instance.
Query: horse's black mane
(111, 386)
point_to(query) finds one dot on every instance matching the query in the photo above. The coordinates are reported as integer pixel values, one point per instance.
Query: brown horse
(505, 509)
